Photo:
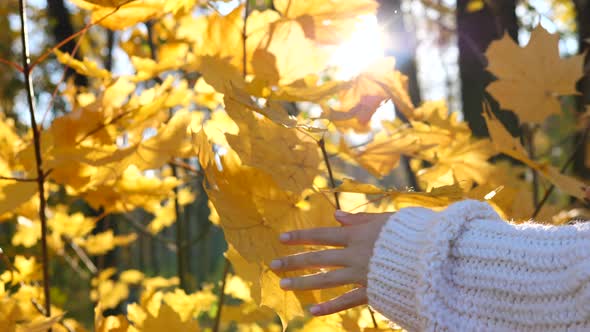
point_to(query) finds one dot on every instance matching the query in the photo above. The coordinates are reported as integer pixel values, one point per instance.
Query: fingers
(348, 219)
(322, 280)
(322, 258)
(330, 236)
(349, 300)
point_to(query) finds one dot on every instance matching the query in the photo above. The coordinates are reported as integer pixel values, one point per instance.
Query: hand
(357, 239)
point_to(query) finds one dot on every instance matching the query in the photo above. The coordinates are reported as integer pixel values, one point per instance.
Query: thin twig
(103, 125)
(569, 161)
(82, 31)
(9, 178)
(63, 78)
(528, 135)
(221, 295)
(11, 64)
(322, 145)
(244, 37)
(181, 256)
(186, 167)
(74, 265)
(171, 245)
(83, 256)
(38, 158)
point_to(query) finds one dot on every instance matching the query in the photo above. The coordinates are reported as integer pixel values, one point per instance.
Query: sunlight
(366, 44)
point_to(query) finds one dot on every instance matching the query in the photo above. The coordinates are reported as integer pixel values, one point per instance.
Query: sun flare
(365, 45)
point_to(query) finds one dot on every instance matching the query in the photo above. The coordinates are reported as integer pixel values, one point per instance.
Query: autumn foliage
(215, 100)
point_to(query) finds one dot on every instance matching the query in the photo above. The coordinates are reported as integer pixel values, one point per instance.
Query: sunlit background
(436, 53)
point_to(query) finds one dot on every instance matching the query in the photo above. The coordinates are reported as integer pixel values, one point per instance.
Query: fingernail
(286, 283)
(315, 310)
(276, 264)
(285, 237)
(340, 213)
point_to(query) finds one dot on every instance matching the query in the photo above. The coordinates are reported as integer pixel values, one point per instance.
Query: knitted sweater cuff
(394, 267)
(408, 260)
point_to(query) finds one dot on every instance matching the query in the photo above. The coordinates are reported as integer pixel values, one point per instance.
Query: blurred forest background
(438, 44)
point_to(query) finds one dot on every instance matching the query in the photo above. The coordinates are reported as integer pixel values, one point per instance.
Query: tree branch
(38, 158)
(322, 145)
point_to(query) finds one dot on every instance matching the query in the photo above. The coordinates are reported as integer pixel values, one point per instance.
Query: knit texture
(465, 269)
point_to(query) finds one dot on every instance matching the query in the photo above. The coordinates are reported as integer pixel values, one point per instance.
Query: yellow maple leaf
(206, 95)
(125, 14)
(39, 324)
(285, 304)
(383, 153)
(133, 188)
(168, 320)
(28, 232)
(189, 305)
(110, 293)
(25, 270)
(85, 67)
(104, 242)
(117, 323)
(359, 101)
(169, 56)
(131, 276)
(535, 71)
(309, 89)
(463, 161)
(505, 143)
(72, 225)
(253, 211)
(437, 197)
(276, 63)
(291, 158)
(328, 22)
(15, 193)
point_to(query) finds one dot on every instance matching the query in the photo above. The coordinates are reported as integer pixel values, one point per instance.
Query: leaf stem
(38, 158)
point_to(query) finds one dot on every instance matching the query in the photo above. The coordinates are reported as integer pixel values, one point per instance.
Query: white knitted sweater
(465, 269)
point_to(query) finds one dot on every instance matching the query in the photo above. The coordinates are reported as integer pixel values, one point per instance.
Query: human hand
(356, 239)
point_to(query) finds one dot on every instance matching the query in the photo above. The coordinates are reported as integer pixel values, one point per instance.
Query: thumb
(349, 219)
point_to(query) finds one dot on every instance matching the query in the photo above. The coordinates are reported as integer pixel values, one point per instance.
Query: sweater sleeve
(465, 269)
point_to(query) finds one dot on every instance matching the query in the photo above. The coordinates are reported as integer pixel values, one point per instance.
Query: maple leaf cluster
(212, 102)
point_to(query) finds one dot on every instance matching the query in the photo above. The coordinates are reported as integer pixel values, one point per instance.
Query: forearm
(466, 269)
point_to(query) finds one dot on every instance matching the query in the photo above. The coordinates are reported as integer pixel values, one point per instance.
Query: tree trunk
(390, 17)
(61, 24)
(476, 30)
